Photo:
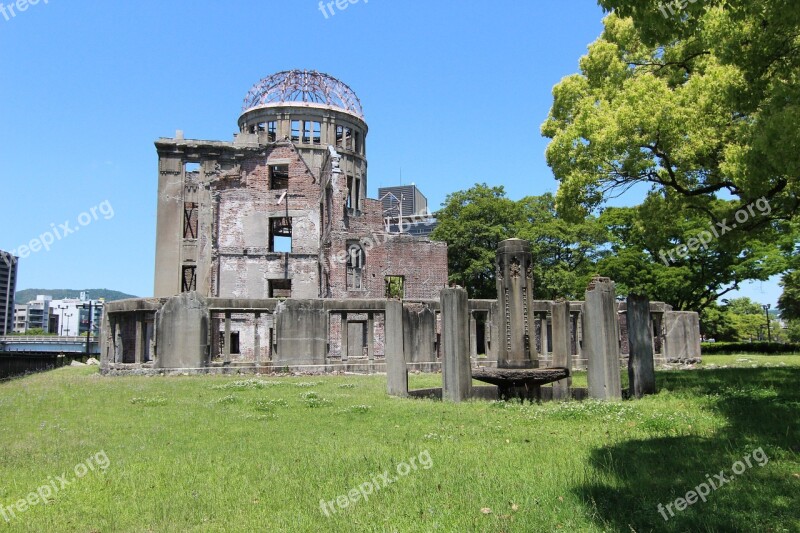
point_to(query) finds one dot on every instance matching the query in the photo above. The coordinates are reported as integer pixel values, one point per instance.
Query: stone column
(515, 298)
(601, 340)
(118, 347)
(473, 336)
(139, 342)
(545, 336)
(345, 337)
(257, 338)
(227, 356)
(641, 373)
(562, 348)
(371, 337)
(456, 364)
(396, 370)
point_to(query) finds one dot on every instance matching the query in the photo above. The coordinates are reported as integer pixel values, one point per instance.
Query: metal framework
(303, 86)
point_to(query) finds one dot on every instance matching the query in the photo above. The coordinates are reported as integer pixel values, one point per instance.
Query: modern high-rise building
(405, 210)
(8, 287)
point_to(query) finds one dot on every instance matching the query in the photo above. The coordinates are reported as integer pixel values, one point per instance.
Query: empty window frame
(279, 177)
(189, 279)
(353, 193)
(395, 287)
(235, 348)
(192, 167)
(280, 234)
(358, 142)
(307, 128)
(317, 133)
(296, 125)
(272, 131)
(190, 222)
(280, 288)
(348, 139)
(355, 266)
(339, 136)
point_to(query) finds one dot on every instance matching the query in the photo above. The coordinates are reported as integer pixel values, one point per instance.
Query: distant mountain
(25, 296)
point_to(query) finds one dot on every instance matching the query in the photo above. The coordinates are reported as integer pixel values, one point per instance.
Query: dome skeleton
(303, 86)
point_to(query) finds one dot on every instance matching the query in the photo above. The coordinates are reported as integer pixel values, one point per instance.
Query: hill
(26, 295)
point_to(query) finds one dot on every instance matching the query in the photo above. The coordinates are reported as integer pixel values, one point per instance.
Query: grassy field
(243, 454)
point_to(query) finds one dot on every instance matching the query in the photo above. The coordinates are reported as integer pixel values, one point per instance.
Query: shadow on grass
(762, 408)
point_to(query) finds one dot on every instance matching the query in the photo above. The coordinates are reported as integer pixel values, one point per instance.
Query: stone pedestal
(601, 340)
(641, 372)
(681, 337)
(456, 365)
(517, 341)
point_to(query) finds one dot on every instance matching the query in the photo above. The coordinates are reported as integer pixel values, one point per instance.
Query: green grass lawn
(245, 454)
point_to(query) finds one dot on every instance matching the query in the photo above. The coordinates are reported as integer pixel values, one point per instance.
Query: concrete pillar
(641, 372)
(345, 337)
(257, 338)
(473, 336)
(371, 337)
(396, 370)
(227, 357)
(182, 332)
(456, 365)
(562, 348)
(139, 342)
(118, 348)
(545, 336)
(601, 340)
(515, 299)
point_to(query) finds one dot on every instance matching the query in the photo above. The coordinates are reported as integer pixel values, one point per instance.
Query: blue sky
(454, 93)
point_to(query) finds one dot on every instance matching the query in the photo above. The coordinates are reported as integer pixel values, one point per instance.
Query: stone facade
(281, 211)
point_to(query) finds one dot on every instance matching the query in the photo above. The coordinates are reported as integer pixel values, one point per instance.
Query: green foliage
(734, 348)
(475, 221)
(693, 106)
(789, 301)
(605, 466)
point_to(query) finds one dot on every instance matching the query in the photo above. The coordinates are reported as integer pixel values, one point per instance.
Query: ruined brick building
(282, 210)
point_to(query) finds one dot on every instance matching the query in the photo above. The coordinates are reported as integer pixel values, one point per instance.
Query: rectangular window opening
(279, 177)
(272, 131)
(395, 287)
(317, 133)
(280, 235)
(339, 135)
(189, 279)
(280, 288)
(296, 131)
(235, 349)
(307, 130)
(190, 221)
(348, 139)
(190, 167)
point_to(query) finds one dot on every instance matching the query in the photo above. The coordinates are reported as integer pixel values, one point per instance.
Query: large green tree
(701, 105)
(473, 222)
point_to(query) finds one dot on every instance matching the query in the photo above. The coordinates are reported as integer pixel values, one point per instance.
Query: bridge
(51, 344)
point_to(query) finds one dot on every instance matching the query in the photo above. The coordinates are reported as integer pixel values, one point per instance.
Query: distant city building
(8, 287)
(407, 205)
(36, 314)
(72, 315)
